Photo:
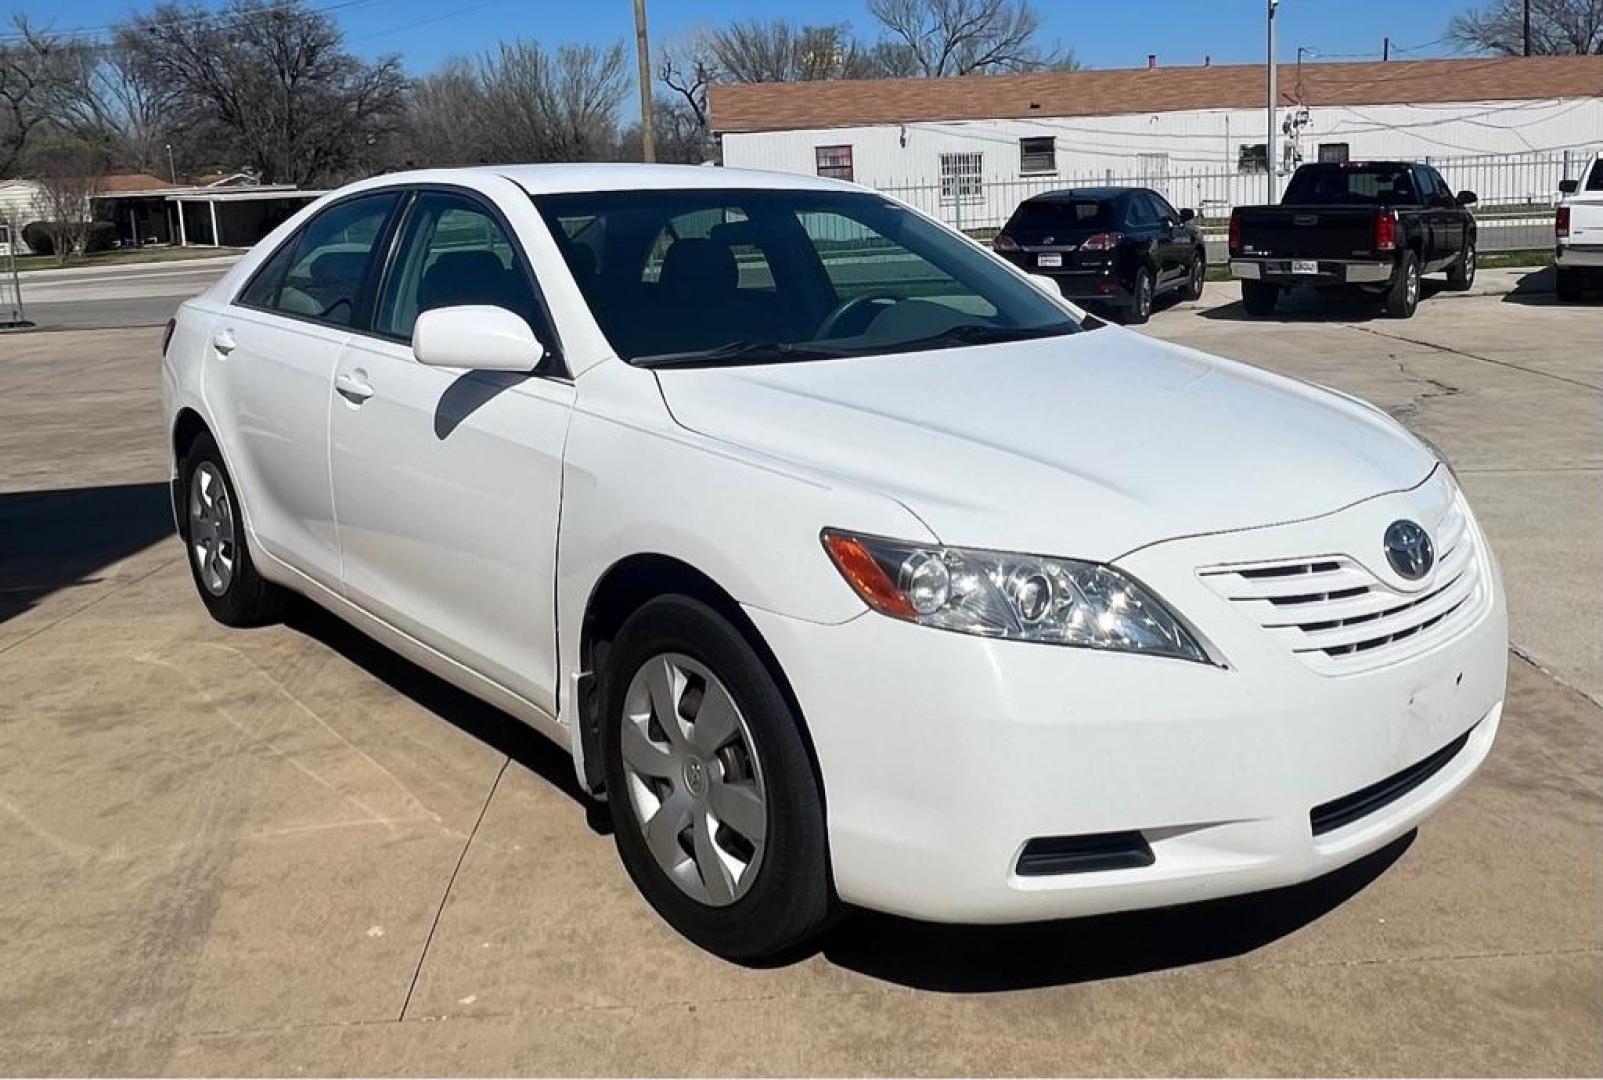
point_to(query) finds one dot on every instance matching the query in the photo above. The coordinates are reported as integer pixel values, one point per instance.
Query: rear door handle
(353, 388)
(223, 341)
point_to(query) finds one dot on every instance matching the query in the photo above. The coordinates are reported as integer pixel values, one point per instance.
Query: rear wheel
(1198, 274)
(1259, 297)
(1461, 275)
(1402, 295)
(1140, 309)
(1569, 284)
(717, 814)
(213, 531)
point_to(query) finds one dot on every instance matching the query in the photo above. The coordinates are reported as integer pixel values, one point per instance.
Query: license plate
(1304, 266)
(1049, 260)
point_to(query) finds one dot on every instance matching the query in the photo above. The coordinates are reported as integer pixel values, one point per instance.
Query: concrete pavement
(286, 850)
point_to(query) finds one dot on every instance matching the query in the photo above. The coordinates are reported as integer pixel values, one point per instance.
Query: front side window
(768, 276)
(453, 252)
(1594, 181)
(319, 274)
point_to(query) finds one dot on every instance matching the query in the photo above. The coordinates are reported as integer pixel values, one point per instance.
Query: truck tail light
(1386, 231)
(1561, 223)
(1235, 233)
(1102, 241)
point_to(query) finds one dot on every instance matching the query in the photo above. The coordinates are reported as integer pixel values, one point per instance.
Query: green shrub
(36, 234)
(102, 236)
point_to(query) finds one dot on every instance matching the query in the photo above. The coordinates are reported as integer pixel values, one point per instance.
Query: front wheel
(1461, 275)
(1194, 279)
(1402, 295)
(213, 530)
(718, 816)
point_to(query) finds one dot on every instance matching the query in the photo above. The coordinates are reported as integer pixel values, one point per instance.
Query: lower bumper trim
(1051, 855)
(1330, 816)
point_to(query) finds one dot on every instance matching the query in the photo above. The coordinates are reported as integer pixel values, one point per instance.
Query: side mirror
(1466, 198)
(478, 337)
(1187, 214)
(1569, 187)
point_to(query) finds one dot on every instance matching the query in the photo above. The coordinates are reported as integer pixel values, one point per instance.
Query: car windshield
(700, 277)
(1383, 184)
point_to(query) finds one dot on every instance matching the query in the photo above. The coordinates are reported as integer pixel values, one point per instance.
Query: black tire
(790, 899)
(1569, 284)
(1139, 309)
(1198, 273)
(1461, 275)
(246, 598)
(1401, 298)
(1259, 297)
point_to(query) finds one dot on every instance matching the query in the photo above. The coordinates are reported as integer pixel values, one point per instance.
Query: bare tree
(964, 37)
(35, 69)
(779, 51)
(444, 123)
(112, 97)
(68, 176)
(275, 80)
(552, 107)
(1558, 27)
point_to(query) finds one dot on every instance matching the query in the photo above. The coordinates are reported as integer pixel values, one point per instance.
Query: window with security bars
(1254, 157)
(1038, 156)
(960, 178)
(834, 162)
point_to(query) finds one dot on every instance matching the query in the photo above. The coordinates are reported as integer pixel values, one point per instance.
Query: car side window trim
(362, 304)
(554, 365)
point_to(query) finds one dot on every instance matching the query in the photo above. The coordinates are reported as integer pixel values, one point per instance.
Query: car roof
(1108, 193)
(625, 176)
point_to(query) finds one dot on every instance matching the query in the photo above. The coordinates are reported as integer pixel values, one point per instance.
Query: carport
(235, 218)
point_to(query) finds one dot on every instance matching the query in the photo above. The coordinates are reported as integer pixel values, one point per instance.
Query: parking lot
(287, 850)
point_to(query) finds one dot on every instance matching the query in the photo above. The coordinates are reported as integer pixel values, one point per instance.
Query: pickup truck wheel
(1140, 309)
(717, 813)
(1194, 279)
(1259, 297)
(1461, 275)
(1569, 284)
(1402, 296)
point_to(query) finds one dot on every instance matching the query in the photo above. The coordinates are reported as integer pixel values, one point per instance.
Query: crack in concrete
(1474, 356)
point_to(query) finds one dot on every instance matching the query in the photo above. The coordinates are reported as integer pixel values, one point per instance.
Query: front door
(270, 370)
(447, 483)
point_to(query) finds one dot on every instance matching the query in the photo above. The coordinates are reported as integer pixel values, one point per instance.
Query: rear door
(271, 371)
(447, 482)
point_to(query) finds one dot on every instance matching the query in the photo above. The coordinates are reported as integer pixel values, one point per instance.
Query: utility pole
(1270, 157)
(1527, 27)
(172, 170)
(1385, 49)
(648, 138)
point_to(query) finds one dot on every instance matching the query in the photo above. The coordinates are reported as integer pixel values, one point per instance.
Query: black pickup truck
(1374, 225)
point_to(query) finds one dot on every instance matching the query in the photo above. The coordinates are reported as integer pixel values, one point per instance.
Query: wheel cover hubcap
(211, 529)
(694, 782)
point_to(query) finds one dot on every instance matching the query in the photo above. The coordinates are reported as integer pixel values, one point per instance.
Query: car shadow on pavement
(486, 723)
(59, 539)
(1314, 306)
(1539, 288)
(985, 959)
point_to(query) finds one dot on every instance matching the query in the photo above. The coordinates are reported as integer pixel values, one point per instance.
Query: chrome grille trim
(1339, 618)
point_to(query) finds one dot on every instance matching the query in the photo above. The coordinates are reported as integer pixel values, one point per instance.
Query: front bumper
(943, 755)
(1329, 271)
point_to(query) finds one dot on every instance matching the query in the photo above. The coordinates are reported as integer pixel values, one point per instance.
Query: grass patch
(124, 257)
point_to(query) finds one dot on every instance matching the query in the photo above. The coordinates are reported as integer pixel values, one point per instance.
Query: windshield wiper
(737, 352)
(981, 334)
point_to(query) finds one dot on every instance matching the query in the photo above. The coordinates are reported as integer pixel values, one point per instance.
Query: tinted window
(1043, 216)
(1161, 207)
(1141, 210)
(262, 291)
(1594, 182)
(765, 276)
(453, 252)
(327, 262)
(1383, 184)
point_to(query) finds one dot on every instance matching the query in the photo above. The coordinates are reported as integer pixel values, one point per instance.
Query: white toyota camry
(851, 565)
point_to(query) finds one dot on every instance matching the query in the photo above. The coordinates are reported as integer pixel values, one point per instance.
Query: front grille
(1339, 618)
(1332, 815)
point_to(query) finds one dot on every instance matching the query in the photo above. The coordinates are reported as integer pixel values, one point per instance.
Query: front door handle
(353, 388)
(223, 341)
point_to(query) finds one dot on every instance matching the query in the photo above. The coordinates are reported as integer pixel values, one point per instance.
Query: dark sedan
(1116, 247)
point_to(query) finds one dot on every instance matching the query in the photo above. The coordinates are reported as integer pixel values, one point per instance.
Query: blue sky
(1103, 33)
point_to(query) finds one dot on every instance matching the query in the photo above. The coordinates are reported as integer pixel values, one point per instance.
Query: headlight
(1016, 597)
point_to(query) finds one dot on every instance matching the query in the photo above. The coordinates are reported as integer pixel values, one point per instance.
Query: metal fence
(1515, 193)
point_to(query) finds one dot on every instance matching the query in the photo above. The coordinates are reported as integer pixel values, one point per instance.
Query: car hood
(1089, 445)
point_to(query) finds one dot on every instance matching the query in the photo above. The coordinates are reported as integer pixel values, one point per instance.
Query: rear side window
(453, 252)
(319, 274)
